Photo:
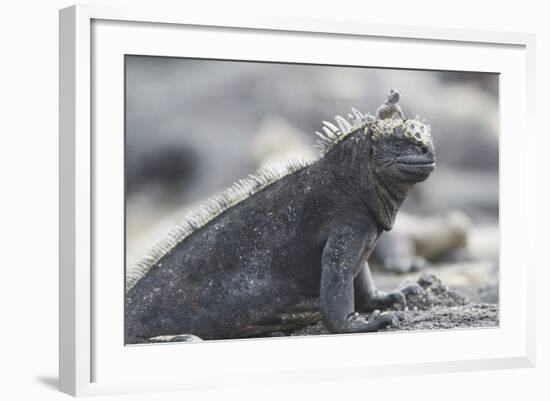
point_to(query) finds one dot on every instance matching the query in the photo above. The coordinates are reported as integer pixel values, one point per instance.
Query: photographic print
(280, 199)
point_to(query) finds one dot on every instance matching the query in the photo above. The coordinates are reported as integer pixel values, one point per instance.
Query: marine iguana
(281, 249)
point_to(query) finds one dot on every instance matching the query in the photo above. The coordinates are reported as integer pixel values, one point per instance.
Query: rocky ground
(436, 307)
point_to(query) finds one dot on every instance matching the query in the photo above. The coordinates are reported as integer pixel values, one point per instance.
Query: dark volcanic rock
(434, 294)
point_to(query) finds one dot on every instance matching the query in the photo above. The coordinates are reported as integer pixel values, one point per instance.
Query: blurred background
(193, 127)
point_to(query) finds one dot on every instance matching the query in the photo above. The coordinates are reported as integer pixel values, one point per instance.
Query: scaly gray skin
(293, 252)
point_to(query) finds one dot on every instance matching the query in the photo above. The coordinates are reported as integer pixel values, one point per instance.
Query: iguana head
(401, 151)
(376, 161)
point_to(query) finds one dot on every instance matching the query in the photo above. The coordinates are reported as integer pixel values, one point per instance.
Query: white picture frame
(94, 360)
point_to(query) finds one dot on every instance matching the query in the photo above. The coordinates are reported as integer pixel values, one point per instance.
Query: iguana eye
(417, 135)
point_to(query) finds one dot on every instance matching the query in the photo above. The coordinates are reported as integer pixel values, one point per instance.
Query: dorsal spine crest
(334, 134)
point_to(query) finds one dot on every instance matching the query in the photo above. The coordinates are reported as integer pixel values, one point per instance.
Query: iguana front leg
(399, 112)
(367, 298)
(341, 254)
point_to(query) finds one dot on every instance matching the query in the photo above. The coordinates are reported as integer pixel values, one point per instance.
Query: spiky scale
(330, 134)
(321, 136)
(358, 114)
(331, 126)
(344, 125)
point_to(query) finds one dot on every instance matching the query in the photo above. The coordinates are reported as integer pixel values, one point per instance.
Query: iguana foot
(175, 339)
(383, 300)
(375, 321)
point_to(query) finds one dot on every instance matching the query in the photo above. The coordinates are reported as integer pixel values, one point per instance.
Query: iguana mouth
(418, 168)
(416, 161)
(420, 165)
